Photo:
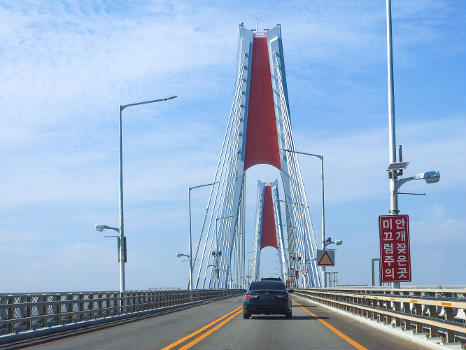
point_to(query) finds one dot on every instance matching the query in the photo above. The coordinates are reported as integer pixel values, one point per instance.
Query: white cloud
(440, 229)
(355, 163)
(75, 266)
(66, 67)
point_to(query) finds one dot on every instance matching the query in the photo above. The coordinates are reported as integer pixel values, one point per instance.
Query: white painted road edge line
(406, 335)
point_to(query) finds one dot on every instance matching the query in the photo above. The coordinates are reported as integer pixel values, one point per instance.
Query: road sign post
(395, 257)
(325, 257)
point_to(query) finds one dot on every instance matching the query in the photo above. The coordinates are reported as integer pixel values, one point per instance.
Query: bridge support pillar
(406, 325)
(43, 312)
(433, 332)
(29, 314)
(59, 316)
(450, 335)
(99, 305)
(388, 320)
(81, 307)
(397, 319)
(405, 309)
(11, 315)
(418, 311)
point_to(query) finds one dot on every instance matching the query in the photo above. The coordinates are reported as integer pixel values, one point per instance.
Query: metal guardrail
(27, 312)
(432, 311)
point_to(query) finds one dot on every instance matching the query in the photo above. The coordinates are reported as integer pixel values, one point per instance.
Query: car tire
(246, 315)
(289, 315)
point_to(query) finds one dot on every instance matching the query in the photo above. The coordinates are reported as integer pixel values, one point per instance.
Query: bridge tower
(258, 132)
(269, 229)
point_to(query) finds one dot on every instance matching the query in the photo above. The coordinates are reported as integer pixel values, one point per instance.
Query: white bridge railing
(26, 312)
(436, 312)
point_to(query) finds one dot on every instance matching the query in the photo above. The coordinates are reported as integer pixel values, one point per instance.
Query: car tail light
(251, 296)
(283, 296)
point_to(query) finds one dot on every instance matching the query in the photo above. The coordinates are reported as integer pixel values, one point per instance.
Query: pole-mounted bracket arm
(429, 177)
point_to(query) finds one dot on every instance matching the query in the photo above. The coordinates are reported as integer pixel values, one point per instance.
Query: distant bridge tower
(258, 132)
(269, 229)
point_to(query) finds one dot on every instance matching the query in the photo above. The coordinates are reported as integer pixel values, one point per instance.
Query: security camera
(338, 242)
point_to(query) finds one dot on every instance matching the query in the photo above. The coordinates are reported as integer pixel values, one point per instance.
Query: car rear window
(269, 285)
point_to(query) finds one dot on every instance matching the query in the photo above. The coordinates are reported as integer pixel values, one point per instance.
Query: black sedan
(267, 297)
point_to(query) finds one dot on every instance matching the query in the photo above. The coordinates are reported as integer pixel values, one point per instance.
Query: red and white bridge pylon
(258, 132)
(269, 229)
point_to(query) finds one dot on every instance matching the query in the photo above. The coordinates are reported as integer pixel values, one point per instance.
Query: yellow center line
(210, 331)
(333, 329)
(179, 341)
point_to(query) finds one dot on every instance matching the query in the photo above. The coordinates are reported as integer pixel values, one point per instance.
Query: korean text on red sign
(395, 259)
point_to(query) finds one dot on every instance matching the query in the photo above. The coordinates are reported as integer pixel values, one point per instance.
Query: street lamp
(292, 268)
(101, 228)
(396, 168)
(321, 157)
(329, 241)
(181, 255)
(217, 253)
(122, 246)
(191, 267)
(430, 177)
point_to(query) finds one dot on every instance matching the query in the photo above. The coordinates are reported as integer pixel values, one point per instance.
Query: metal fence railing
(433, 311)
(26, 312)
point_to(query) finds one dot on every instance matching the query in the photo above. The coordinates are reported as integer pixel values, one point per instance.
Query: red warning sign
(326, 259)
(395, 256)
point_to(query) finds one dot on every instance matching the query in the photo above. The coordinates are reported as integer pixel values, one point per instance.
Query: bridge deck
(185, 330)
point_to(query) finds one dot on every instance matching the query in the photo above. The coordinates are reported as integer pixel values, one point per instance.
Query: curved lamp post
(321, 157)
(122, 252)
(191, 267)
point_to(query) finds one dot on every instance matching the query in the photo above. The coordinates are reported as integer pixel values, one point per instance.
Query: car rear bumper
(266, 309)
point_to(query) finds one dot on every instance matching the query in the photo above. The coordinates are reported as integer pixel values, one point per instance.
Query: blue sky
(66, 66)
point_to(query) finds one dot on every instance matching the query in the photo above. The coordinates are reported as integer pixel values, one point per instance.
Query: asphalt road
(220, 325)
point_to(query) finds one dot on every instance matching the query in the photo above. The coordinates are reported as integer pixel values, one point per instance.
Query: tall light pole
(321, 157)
(191, 267)
(391, 113)
(122, 247)
(395, 169)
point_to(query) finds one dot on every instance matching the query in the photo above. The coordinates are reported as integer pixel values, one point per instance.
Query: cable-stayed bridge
(258, 132)
(206, 316)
